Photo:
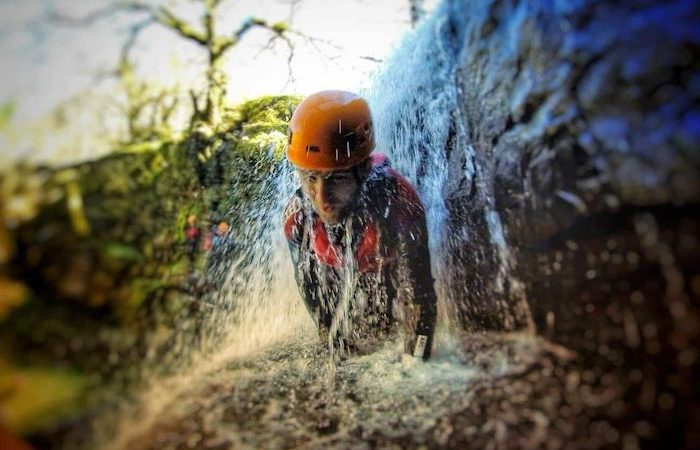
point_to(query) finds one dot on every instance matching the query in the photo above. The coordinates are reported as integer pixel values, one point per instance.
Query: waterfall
(418, 104)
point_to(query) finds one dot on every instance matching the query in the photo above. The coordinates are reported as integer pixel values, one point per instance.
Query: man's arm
(295, 230)
(422, 303)
(417, 280)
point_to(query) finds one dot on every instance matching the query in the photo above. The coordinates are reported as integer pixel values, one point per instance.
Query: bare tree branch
(168, 109)
(161, 15)
(270, 44)
(228, 42)
(169, 20)
(290, 57)
(85, 20)
(208, 105)
(371, 58)
(128, 45)
(97, 14)
(417, 11)
(195, 107)
(317, 42)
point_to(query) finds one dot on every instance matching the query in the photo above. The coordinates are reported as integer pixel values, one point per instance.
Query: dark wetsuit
(358, 291)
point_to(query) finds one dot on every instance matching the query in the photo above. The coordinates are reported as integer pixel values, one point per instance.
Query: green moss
(101, 243)
(118, 250)
(38, 398)
(280, 27)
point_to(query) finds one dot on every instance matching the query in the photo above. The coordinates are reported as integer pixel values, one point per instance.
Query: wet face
(332, 193)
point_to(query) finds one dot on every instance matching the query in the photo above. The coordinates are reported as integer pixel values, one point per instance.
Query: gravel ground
(497, 391)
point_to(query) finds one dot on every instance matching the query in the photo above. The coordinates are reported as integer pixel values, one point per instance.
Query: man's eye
(311, 178)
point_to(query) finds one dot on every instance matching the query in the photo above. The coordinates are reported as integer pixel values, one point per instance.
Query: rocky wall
(582, 123)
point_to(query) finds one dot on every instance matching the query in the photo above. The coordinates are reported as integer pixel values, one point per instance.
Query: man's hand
(421, 343)
(417, 347)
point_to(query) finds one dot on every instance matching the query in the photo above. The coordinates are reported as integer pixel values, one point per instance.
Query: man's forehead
(324, 173)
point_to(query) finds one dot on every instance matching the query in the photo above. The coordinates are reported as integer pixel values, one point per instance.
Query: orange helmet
(330, 130)
(222, 227)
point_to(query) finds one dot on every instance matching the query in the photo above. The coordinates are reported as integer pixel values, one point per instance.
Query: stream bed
(485, 390)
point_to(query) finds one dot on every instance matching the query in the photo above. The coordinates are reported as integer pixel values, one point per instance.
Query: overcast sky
(43, 64)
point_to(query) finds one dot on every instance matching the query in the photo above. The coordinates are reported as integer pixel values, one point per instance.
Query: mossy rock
(97, 252)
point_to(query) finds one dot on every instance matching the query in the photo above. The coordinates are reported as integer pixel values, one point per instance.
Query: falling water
(418, 103)
(255, 307)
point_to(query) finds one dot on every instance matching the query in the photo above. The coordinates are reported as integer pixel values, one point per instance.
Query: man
(193, 237)
(356, 230)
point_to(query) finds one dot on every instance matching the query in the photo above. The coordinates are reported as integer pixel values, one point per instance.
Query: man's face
(332, 193)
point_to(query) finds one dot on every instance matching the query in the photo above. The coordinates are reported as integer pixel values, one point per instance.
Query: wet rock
(570, 187)
(593, 188)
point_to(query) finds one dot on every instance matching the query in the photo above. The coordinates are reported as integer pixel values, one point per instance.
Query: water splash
(419, 106)
(287, 397)
(412, 102)
(255, 306)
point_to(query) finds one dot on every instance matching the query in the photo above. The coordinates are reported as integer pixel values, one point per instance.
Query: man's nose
(324, 191)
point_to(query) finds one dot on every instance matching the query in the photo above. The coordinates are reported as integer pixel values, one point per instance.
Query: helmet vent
(351, 141)
(312, 148)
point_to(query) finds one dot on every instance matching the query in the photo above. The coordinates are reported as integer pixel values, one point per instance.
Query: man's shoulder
(405, 204)
(392, 181)
(293, 217)
(294, 204)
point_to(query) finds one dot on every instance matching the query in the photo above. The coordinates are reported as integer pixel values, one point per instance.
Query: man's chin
(332, 218)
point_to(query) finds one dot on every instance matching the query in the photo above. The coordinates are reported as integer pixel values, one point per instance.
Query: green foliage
(262, 123)
(268, 112)
(123, 216)
(120, 251)
(254, 143)
(33, 397)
